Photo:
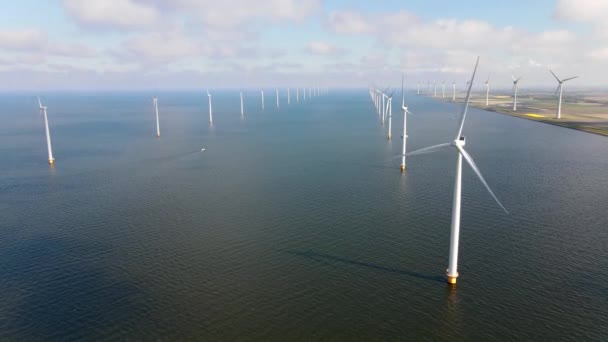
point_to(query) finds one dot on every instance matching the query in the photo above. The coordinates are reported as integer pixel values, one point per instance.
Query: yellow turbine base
(389, 137)
(452, 279)
(402, 168)
(51, 161)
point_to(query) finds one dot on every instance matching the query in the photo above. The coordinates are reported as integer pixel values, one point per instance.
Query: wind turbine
(277, 91)
(487, 90)
(297, 95)
(155, 102)
(210, 108)
(288, 97)
(389, 110)
(454, 91)
(458, 145)
(417, 88)
(560, 87)
(405, 111)
(48, 133)
(515, 83)
(262, 91)
(443, 89)
(242, 111)
(435, 85)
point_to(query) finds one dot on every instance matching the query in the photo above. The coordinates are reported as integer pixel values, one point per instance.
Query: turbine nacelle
(460, 142)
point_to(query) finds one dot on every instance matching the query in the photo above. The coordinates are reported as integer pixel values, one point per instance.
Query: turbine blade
(39, 102)
(558, 88)
(402, 92)
(570, 78)
(554, 75)
(469, 160)
(513, 77)
(426, 150)
(466, 102)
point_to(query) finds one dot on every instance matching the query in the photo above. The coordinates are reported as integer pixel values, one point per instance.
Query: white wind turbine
(405, 112)
(443, 89)
(297, 95)
(488, 91)
(458, 145)
(560, 90)
(277, 91)
(418, 89)
(515, 85)
(454, 91)
(48, 133)
(242, 109)
(262, 91)
(389, 113)
(155, 102)
(288, 97)
(210, 108)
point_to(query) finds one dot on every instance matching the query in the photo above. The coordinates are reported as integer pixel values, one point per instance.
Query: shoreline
(603, 131)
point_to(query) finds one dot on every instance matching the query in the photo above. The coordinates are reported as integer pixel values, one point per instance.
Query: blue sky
(176, 44)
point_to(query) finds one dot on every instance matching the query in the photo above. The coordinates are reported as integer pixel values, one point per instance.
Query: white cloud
(22, 39)
(323, 48)
(348, 22)
(112, 13)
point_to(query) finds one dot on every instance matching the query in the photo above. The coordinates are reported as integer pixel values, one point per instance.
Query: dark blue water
(294, 224)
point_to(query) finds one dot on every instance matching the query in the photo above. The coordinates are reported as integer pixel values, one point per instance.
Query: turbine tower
(277, 91)
(515, 83)
(458, 144)
(155, 102)
(454, 91)
(242, 111)
(262, 91)
(404, 137)
(389, 113)
(288, 97)
(48, 133)
(435, 85)
(297, 95)
(559, 90)
(210, 108)
(443, 89)
(487, 90)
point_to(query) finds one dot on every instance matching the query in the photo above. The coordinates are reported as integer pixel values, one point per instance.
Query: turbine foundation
(51, 161)
(402, 167)
(452, 278)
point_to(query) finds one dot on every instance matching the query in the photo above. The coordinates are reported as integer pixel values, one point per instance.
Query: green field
(586, 112)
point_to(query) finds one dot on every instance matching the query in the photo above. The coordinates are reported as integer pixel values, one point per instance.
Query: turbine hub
(459, 142)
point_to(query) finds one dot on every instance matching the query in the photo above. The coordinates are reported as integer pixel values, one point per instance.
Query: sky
(199, 44)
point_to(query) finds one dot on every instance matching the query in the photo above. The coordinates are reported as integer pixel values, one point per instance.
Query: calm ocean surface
(294, 224)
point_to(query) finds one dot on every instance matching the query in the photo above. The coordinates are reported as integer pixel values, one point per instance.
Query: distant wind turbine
(418, 89)
(435, 85)
(242, 109)
(443, 89)
(297, 95)
(262, 91)
(288, 97)
(560, 88)
(155, 102)
(458, 145)
(389, 111)
(277, 90)
(454, 91)
(405, 112)
(210, 108)
(488, 91)
(515, 85)
(48, 133)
